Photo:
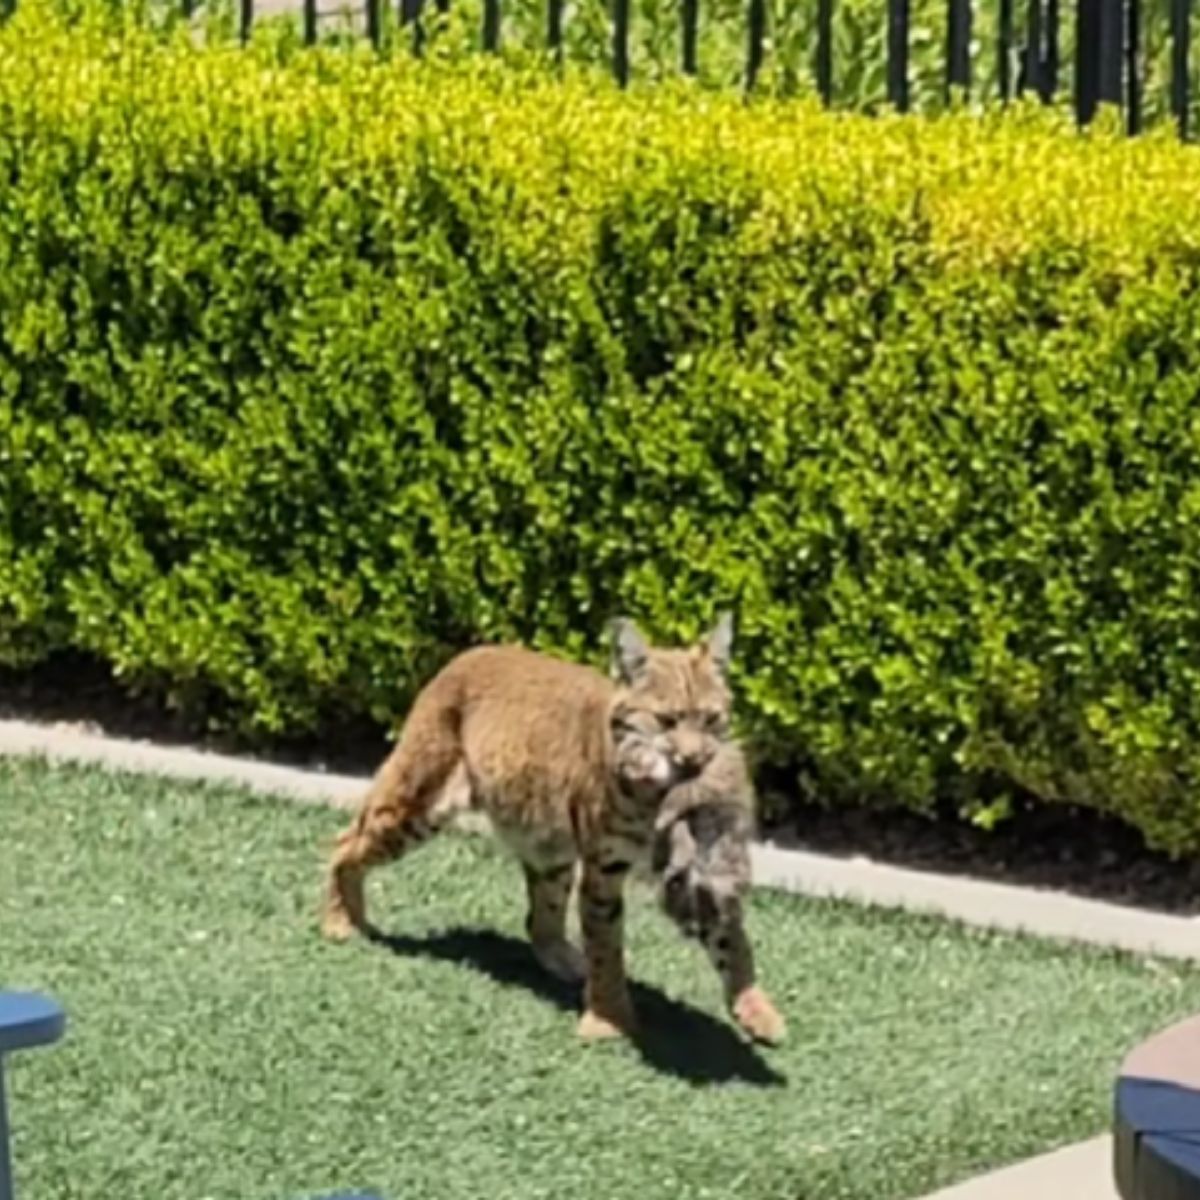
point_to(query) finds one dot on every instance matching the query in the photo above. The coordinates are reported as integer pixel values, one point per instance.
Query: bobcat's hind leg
(408, 802)
(549, 891)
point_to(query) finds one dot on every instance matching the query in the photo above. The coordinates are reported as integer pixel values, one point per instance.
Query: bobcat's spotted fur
(570, 767)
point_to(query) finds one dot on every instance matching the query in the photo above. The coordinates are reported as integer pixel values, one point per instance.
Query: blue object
(26, 1019)
(1156, 1147)
(1156, 1117)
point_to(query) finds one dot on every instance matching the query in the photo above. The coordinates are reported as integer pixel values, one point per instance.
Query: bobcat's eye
(667, 720)
(713, 720)
(627, 723)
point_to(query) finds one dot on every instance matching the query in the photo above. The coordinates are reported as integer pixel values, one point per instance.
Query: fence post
(491, 25)
(897, 54)
(374, 23)
(825, 50)
(1004, 51)
(1181, 16)
(1031, 62)
(1133, 72)
(310, 22)
(410, 14)
(958, 46)
(554, 27)
(620, 41)
(1100, 39)
(1112, 37)
(247, 20)
(756, 36)
(1050, 72)
(689, 15)
(1087, 30)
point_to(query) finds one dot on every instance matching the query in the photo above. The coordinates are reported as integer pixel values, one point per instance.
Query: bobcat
(570, 767)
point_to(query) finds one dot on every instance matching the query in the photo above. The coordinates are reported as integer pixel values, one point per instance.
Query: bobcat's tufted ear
(630, 652)
(719, 645)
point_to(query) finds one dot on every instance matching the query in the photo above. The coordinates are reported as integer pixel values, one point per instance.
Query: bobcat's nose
(690, 752)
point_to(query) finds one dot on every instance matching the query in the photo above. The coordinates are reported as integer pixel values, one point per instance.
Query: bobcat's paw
(337, 927)
(596, 1028)
(758, 1017)
(563, 959)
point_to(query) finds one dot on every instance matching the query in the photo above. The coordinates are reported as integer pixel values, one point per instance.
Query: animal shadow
(675, 1038)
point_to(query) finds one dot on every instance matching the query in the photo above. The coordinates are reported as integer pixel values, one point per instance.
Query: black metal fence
(1106, 59)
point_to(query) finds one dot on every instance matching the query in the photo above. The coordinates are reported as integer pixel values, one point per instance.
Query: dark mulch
(1067, 849)
(1074, 850)
(78, 690)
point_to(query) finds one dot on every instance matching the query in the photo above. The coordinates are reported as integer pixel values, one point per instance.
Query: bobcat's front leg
(607, 1008)
(729, 949)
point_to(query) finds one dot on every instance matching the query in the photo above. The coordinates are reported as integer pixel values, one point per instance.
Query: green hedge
(313, 371)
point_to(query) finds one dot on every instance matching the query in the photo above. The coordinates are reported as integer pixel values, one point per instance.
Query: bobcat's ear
(630, 653)
(719, 645)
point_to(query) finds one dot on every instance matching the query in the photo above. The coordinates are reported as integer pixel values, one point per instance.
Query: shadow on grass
(675, 1038)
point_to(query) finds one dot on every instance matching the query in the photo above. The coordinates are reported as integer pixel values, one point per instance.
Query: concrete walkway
(1079, 1172)
(1046, 913)
(65, 743)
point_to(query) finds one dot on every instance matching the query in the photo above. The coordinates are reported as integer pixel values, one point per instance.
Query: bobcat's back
(532, 731)
(541, 745)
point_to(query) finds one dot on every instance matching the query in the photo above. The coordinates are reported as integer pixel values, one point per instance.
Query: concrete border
(1079, 1172)
(1082, 1171)
(65, 743)
(1044, 913)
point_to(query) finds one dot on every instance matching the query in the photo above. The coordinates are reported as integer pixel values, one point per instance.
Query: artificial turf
(218, 1049)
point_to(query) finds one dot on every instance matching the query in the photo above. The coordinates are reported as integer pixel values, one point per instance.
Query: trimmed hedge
(314, 370)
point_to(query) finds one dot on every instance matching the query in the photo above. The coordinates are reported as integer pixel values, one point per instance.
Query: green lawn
(218, 1049)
